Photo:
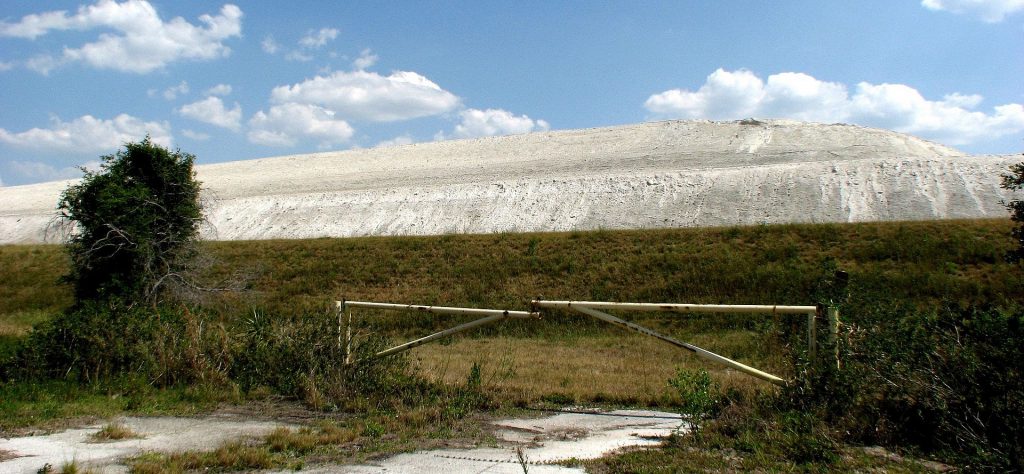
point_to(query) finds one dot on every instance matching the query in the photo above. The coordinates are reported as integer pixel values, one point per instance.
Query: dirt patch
(5, 455)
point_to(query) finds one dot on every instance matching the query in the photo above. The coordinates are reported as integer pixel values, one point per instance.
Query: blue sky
(249, 79)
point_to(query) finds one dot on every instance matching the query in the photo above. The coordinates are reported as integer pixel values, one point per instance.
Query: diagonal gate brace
(699, 352)
(490, 316)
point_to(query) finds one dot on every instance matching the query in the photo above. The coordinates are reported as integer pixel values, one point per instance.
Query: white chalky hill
(659, 174)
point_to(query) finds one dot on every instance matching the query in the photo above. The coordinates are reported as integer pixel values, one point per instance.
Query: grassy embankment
(563, 358)
(923, 263)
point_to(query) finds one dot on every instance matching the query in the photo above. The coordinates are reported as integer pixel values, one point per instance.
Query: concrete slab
(544, 442)
(161, 434)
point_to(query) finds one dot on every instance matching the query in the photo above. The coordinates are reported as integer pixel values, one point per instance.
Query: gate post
(833, 322)
(812, 332)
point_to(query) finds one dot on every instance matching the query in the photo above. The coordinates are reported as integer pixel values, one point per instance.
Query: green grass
(920, 262)
(50, 404)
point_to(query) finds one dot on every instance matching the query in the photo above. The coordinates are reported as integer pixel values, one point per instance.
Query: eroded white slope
(661, 174)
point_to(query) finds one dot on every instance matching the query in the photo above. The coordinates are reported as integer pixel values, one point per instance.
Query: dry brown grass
(626, 368)
(113, 431)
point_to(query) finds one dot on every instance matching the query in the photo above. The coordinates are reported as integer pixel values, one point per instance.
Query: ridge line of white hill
(648, 175)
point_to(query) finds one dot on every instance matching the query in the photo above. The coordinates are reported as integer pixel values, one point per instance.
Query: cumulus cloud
(88, 134)
(738, 94)
(42, 64)
(269, 45)
(365, 60)
(298, 56)
(491, 122)
(991, 11)
(362, 95)
(172, 92)
(36, 171)
(219, 89)
(285, 124)
(211, 110)
(317, 39)
(194, 135)
(141, 42)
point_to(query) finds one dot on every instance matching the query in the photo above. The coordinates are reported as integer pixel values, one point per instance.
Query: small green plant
(373, 429)
(699, 394)
(474, 379)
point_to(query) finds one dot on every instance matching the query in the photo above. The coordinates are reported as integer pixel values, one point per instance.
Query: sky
(249, 79)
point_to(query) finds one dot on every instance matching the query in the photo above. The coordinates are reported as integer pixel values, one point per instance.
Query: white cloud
(88, 134)
(285, 124)
(491, 122)
(397, 141)
(991, 11)
(361, 95)
(194, 135)
(172, 92)
(211, 110)
(5, 67)
(269, 45)
(219, 89)
(738, 94)
(42, 64)
(35, 171)
(317, 39)
(143, 42)
(298, 56)
(365, 60)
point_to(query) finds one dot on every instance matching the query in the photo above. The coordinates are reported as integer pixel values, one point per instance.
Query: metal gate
(595, 309)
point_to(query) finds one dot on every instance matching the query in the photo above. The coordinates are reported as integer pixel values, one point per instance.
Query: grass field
(923, 262)
(563, 358)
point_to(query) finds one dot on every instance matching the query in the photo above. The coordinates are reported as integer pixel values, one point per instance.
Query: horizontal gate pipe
(679, 308)
(442, 309)
(702, 353)
(438, 335)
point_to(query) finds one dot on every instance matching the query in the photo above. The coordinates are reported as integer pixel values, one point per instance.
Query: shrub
(943, 381)
(1014, 181)
(301, 357)
(699, 394)
(99, 340)
(135, 223)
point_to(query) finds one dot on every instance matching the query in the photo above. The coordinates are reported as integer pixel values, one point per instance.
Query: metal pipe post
(833, 322)
(812, 341)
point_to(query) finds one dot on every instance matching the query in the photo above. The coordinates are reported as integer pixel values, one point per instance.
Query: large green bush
(134, 223)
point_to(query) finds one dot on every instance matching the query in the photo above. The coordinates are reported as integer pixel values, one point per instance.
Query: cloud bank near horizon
(730, 95)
